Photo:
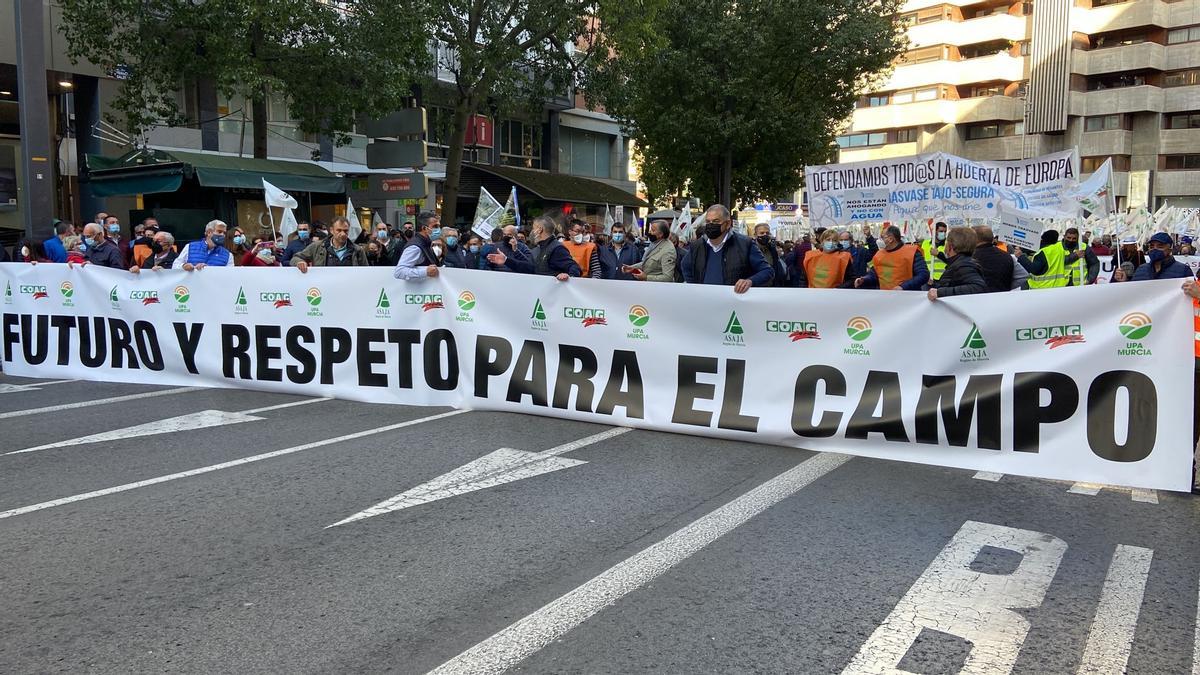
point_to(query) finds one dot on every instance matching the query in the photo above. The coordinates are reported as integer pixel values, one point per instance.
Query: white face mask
(24, 251)
(437, 250)
(578, 239)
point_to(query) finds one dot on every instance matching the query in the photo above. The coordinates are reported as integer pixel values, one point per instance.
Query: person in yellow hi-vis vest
(1081, 265)
(1047, 268)
(935, 257)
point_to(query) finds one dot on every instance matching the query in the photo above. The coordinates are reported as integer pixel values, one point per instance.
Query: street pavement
(191, 530)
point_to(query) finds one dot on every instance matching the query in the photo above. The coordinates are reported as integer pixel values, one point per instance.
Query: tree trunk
(724, 196)
(463, 111)
(259, 112)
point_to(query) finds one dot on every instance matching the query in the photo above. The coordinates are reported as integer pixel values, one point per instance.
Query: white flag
(288, 224)
(276, 197)
(685, 218)
(352, 216)
(488, 213)
(608, 220)
(1096, 193)
(512, 207)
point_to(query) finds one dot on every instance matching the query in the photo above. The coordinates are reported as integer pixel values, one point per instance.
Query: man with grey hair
(723, 257)
(100, 250)
(207, 252)
(659, 264)
(162, 253)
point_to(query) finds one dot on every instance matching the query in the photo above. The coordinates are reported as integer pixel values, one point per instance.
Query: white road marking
(1090, 489)
(978, 607)
(496, 468)
(522, 639)
(1196, 646)
(7, 388)
(217, 467)
(1144, 495)
(286, 405)
(1112, 631)
(98, 401)
(988, 476)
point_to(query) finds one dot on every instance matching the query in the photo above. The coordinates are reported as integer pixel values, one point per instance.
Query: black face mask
(1070, 245)
(764, 239)
(712, 230)
(408, 234)
(156, 247)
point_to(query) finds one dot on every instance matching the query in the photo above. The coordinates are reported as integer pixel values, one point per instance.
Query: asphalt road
(156, 546)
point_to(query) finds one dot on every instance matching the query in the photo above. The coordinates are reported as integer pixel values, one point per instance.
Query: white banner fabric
(1085, 388)
(941, 186)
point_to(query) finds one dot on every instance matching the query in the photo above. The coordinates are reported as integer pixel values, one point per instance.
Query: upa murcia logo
(240, 304)
(734, 335)
(279, 299)
(1135, 326)
(974, 348)
(795, 330)
(182, 296)
(426, 302)
(144, 297)
(858, 329)
(1052, 336)
(588, 316)
(538, 320)
(313, 298)
(639, 317)
(36, 291)
(383, 306)
(67, 289)
(466, 302)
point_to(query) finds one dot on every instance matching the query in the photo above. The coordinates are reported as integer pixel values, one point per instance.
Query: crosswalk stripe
(94, 402)
(1111, 635)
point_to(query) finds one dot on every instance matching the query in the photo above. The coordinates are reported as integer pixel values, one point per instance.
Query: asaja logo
(146, 297)
(859, 329)
(383, 306)
(239, 305)
(588, 316)
(277, 298)
(182, 295)
(639, 316)
(974, 348)
(8, 292)
(113, 298)
(313, 297)
(466, 303)
(1053, 336)
(67, 289)
(38, 292)
(1135, 326)
(796, 330)
(427, 302)
(537, 320)
(734, 333)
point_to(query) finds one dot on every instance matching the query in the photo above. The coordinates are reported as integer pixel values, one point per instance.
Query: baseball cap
(1162, 238)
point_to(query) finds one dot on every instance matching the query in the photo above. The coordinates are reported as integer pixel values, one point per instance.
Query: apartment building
(1006, 79)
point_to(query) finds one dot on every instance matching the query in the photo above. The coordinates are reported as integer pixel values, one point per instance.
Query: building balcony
(888, 151)
(1111, 142)
(914, 5)
(983, 69)
(1180, 99)
(1179, 141)
(967, 110)
(1005, 147)
(969, 32)
(1183, 56)
(1120, 16)
(1144, 98)
(1176, 183)
(1147, 55)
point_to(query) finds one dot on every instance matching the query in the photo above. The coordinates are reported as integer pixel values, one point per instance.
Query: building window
(1102, 123)
(1026, 47)
(1118, 40)
(980, 131)
(584, 153)
(877, 100)
(1181, 162)
(520, 144)
(1115, 82)
(1181, 78)
(1180, 35)
(1091, 164)
(987, 90)
(1187, 120)
(906, 135)
(862, 140)
(1105, 3)
(924, 55)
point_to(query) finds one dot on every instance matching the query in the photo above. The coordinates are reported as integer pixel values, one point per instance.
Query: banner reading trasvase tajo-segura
(1089, 384)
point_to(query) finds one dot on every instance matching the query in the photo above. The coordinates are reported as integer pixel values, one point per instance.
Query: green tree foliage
(729, 99)
(332, 61)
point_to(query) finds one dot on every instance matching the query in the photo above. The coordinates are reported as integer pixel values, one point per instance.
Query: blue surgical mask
(381, 234)
(114, 228)
(437, 233)
(218, 240)
(475, 249)
(303, 235)
(89, 242)
(238, 240)
(618, 237)
(452, 241)
(845, 245)
(829, 246)
(1156, 255)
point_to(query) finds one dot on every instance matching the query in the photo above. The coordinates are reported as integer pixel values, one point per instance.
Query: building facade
(1006, 79)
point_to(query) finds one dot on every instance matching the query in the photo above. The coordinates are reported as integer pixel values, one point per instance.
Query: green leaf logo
(1135, 326)
(859, 328)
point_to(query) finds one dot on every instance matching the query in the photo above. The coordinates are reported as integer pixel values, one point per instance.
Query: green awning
(562, 187)
(149, 171)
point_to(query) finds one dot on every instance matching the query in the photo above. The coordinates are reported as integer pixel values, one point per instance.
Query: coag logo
(67, 289)
(734, 334)
(1135, 326)
(146, 297)
(974, 348)
(639, 316)
(313, 297)
(38, 292)
(587, 316)
(859, 328)
(796, 330)
(1054, 336)
(182, 294)
(277, 298)
(427, 302)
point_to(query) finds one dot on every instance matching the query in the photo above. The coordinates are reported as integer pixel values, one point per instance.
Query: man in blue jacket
(723, 257)
(1160, 263)
(55, 252)
(549, 257)
(619, 253)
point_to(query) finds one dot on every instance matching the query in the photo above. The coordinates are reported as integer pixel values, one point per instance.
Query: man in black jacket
(962, 275)
(548, 257)
(996, 265)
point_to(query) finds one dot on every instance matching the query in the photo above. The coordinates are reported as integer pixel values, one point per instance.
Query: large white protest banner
(943, 187)
(1077, 384)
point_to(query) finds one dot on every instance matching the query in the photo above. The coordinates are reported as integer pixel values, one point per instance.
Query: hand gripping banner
(1082, 384)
